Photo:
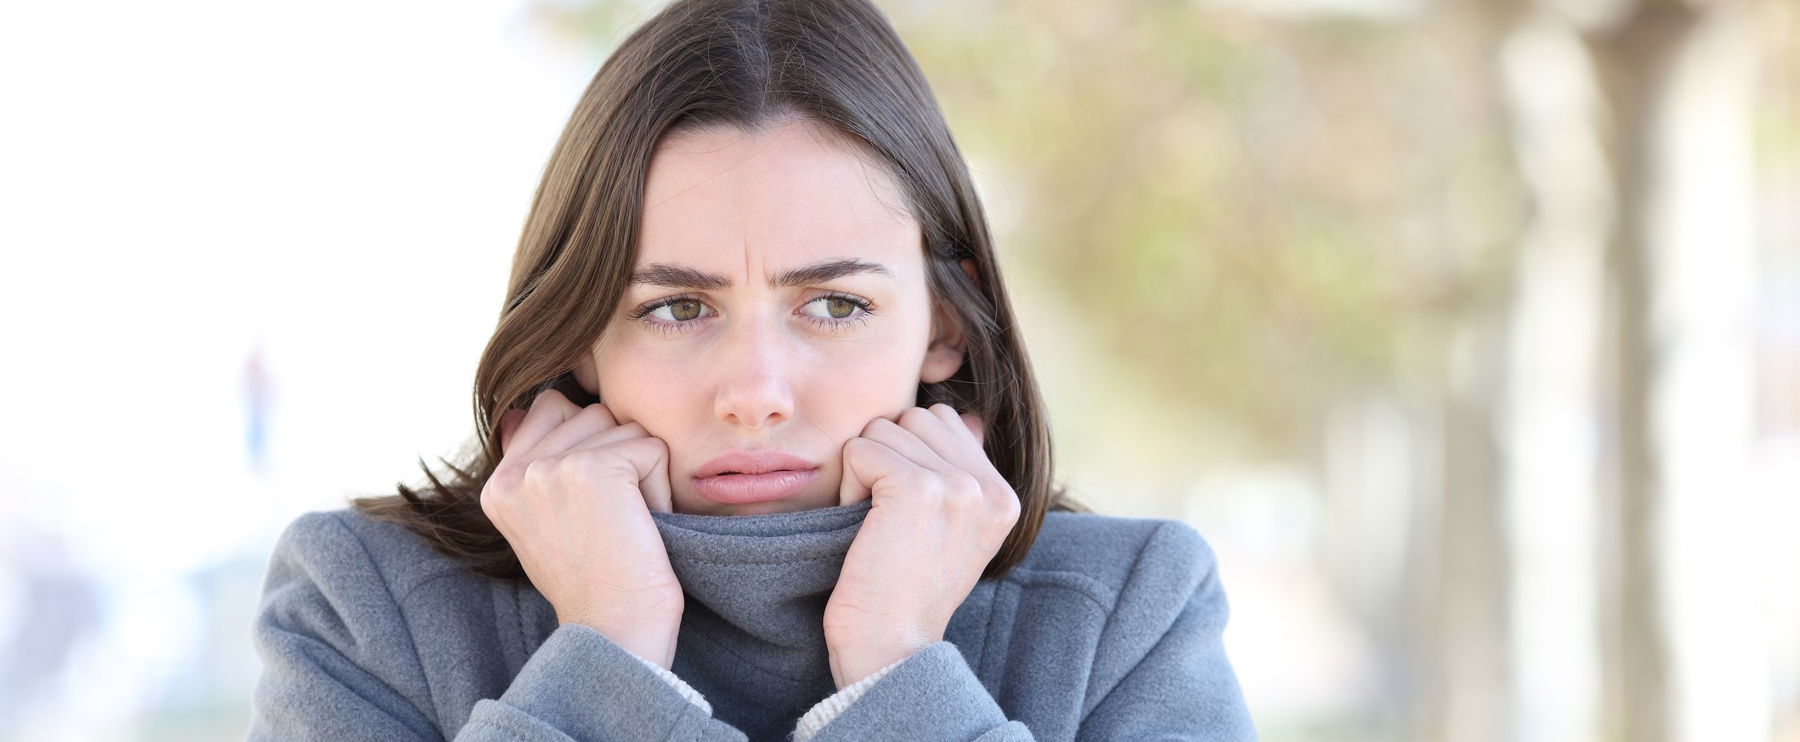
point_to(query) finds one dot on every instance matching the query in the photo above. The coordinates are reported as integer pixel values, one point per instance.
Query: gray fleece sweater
(1108, 630)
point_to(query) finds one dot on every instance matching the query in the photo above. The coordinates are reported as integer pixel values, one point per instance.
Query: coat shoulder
(1110, 552)
(345, 540)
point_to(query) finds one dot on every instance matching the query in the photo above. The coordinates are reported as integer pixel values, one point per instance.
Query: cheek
(633, 380)
(880, 380)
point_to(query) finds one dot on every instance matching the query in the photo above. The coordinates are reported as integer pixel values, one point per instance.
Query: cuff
(824, 711)
(587, 687)
(932, 694)
(675, 681)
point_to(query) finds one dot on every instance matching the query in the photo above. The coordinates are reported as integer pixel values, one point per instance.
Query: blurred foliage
(1270, 214)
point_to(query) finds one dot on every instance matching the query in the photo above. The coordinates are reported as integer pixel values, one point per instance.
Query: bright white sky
(342, 181)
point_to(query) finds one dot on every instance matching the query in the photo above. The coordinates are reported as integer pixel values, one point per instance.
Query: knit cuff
(580, 683)
(933, 695)
(680, 685)
(824, 711)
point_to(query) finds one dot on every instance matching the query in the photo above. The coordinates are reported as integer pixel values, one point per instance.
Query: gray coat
(1108, 630)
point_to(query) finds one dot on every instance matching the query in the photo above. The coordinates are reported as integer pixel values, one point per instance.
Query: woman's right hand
(572, 495)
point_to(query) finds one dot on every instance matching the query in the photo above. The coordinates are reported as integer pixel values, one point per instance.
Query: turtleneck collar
(752, 638)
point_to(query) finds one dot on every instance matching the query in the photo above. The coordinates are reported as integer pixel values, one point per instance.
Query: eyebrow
(683, 277)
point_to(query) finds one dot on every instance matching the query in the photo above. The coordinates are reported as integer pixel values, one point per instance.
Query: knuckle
(935, 487)
(584, 463)
(967, 484)
(491, 501)
(541, 469)
(914, 415)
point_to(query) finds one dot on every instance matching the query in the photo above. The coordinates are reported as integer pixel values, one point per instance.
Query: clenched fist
(572, 494)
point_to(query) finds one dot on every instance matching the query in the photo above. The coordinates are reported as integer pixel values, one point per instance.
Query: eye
(839, 306)
(680, 309)
(840, 310)
(680, 313)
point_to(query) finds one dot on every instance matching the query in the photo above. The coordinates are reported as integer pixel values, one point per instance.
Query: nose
(754, 390)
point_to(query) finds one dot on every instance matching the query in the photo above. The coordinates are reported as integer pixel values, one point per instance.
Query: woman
(771, 459)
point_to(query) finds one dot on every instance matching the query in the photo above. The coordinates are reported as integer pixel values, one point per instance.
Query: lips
(740, 477)
(739, 489)
(753, 462)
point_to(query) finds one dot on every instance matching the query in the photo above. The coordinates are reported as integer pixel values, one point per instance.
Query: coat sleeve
(1180, 686)
(827, 709)
(1160, 674)
(339, 663)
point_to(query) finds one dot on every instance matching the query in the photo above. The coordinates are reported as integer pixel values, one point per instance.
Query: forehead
(760, 201)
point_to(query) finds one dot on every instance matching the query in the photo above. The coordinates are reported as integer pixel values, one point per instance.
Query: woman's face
(726, 355)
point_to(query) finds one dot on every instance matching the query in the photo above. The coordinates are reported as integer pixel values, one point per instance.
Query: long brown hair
(742, 63)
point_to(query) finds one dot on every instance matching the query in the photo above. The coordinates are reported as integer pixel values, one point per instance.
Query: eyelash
(641, 313)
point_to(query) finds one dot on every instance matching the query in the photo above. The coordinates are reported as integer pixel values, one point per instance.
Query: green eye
(686, 311)
(840, 309)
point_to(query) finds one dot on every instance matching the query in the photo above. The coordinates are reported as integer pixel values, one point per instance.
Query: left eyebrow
(683, 277)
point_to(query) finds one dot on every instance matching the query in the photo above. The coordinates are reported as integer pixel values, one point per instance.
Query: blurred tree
(1280, 216)
(1271, 217)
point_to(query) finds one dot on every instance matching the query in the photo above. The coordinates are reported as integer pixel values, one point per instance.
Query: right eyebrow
(683, 277)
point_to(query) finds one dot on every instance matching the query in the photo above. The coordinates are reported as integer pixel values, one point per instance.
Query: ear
(948, 343)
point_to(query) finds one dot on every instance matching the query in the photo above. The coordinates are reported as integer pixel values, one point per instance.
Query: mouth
(737, 488)
(753, 475)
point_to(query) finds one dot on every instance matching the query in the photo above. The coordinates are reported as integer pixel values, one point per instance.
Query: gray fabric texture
(756, 591)
(1109, 630)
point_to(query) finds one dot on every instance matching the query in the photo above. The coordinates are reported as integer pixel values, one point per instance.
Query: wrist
(653, 639)
(853, 661)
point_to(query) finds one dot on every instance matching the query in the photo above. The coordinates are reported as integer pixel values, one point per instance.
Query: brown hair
(742, 63)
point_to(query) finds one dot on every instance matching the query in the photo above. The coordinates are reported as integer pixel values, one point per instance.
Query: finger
(866, 462)
(946, 436)
(907, 438)
(610, 436)
(509, 421)
(548, 410)
(959, 422)
(851, 488)
(649, 457)
(590, 421)
(658, 495)
(976, 427)
(954, 438)
(970, 456)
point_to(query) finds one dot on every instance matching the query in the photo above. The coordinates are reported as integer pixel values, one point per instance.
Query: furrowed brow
(682, 277)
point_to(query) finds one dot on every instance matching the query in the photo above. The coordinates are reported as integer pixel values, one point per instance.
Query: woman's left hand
(941, 511)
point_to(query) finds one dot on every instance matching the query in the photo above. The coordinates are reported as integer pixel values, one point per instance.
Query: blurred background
(1467, 331)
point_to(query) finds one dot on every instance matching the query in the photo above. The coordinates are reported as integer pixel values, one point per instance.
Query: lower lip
(738, 489)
